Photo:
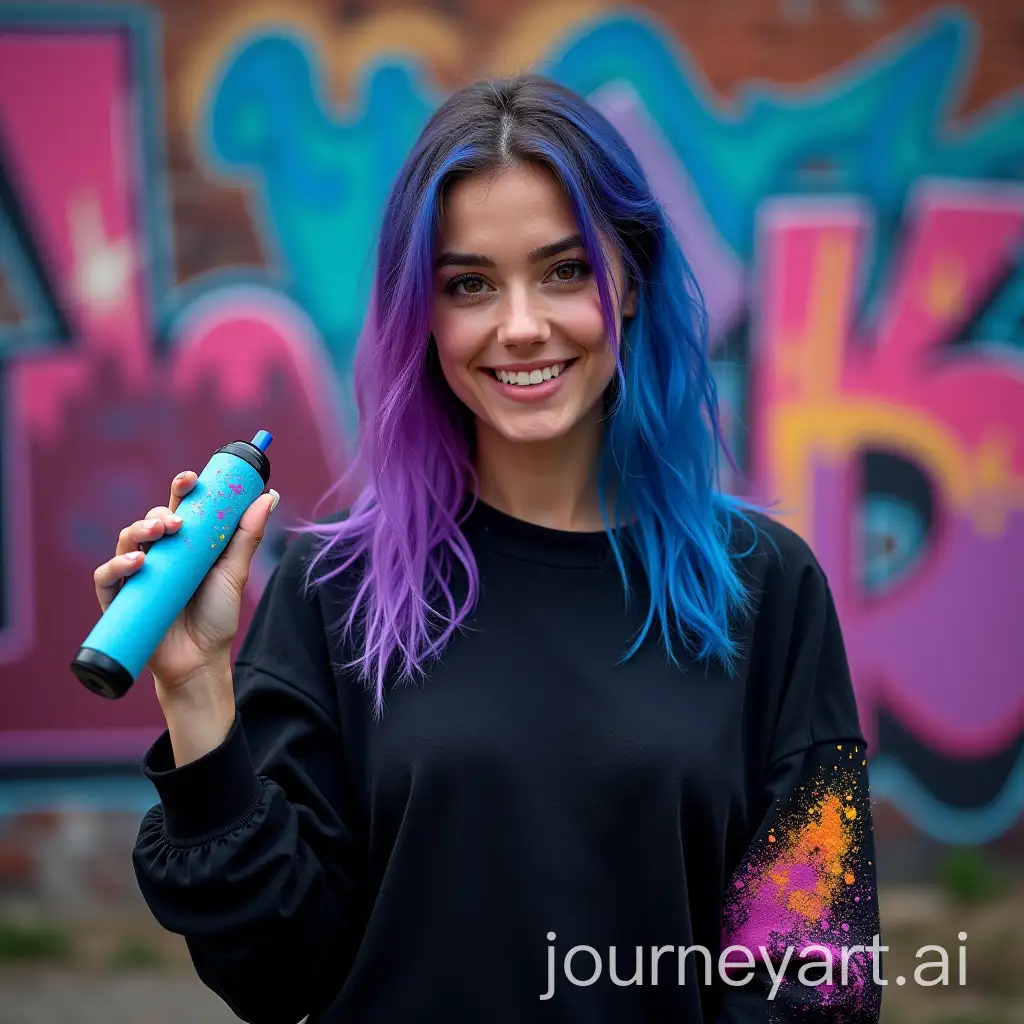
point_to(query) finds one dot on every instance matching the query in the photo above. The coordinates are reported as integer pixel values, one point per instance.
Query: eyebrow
(545, 252)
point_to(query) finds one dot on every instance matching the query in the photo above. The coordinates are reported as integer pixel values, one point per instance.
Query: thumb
(240, 549)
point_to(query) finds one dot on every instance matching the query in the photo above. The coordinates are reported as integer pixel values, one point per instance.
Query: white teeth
(523, 379)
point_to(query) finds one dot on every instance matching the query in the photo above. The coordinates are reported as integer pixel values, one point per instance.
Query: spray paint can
(129, 631)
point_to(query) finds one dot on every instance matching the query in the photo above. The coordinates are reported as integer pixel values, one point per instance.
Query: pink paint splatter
(221, 514)
(236, 488)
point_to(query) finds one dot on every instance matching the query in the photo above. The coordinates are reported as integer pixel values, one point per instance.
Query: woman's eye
(463, 287)
(570, 272)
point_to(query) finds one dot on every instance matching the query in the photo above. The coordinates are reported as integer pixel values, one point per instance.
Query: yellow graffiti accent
(945, 288)
(345, 50)
(422, 34)
(997, 492)
(193, 83)
(814, 420)
(530, 39)
(806, 365)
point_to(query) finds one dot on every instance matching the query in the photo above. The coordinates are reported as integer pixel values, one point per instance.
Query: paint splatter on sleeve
(805, 895)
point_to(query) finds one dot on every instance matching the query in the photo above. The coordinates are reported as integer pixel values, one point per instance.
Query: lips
(532, 391)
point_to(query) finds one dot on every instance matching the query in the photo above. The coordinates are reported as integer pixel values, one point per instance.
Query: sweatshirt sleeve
(251, 853)
(804, 896)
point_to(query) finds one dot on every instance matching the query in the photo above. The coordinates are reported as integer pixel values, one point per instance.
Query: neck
(549, 483)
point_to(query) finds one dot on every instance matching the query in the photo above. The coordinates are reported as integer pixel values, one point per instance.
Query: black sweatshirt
(532, 796)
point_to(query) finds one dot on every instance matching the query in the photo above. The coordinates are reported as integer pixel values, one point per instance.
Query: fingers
(158, 521)
(109, 576)
(239, 552)
(180, 486)
(134, 539)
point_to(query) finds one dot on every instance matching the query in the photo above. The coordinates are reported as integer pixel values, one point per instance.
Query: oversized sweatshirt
(540, 830)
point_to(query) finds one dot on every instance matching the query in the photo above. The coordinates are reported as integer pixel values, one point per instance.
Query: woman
(630, 730)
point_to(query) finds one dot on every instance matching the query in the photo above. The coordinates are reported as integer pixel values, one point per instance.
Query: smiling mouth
(525, 379)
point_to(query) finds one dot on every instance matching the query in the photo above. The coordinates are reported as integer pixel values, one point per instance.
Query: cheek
(457, 336)
(457, 346)
(582, 321)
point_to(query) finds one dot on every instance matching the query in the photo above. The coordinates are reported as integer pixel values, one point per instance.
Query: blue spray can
(129, 631)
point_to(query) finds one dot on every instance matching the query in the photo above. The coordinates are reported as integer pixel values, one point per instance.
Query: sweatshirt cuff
(208, 796)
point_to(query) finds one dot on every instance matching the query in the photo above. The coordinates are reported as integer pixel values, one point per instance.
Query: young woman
(543, 723)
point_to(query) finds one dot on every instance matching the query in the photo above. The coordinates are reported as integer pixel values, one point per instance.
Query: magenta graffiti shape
(240, 358)
(939, 650)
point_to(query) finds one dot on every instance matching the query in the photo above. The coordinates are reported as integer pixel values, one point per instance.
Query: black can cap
(254, 452)
(100, 673)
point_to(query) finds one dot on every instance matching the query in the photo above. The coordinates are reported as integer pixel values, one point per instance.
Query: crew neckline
(532, 542)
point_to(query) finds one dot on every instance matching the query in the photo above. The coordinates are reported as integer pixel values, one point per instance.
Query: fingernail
(175, 520)
(133, 556)
(148, 524)
(276, 497)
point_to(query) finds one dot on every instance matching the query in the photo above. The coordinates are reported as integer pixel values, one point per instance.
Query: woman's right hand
(196, 649)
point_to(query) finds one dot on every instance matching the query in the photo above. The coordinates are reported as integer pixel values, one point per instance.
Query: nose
(522, 319)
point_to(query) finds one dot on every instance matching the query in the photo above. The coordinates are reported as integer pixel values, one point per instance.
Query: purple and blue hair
(412, 471)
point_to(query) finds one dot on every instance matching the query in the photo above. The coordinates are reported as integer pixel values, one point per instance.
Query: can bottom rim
(100, 673)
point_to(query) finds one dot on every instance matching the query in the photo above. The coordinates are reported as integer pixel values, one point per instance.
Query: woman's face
(516, 313)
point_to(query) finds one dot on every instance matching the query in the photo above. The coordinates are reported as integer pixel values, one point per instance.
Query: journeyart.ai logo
(827, 970)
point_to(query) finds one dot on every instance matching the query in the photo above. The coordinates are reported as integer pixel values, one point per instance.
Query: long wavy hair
(411, 479)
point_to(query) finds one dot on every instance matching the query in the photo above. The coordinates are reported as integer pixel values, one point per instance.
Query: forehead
(514, 208)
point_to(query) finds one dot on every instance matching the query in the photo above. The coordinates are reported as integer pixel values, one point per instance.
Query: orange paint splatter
(809, 870)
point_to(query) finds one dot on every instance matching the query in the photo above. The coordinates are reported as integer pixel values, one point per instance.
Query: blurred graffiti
(110, 383)
(860, 250)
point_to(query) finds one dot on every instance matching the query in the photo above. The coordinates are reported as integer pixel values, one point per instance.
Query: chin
(532, 427)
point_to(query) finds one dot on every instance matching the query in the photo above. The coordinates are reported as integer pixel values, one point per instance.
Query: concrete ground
(65, 996)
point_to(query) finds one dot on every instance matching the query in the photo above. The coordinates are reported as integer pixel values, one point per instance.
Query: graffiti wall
(188, 204)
